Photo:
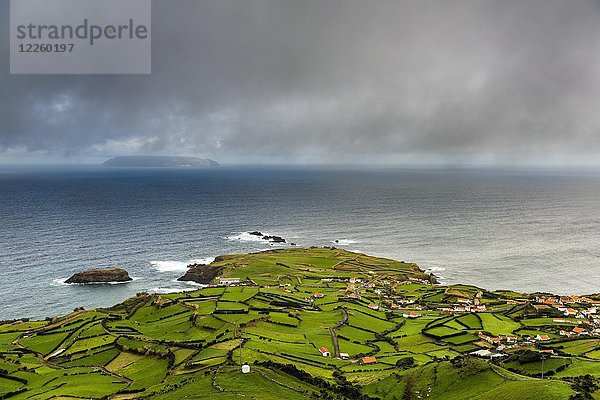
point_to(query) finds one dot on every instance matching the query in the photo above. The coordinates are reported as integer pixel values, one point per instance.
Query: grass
(578, 347)
(446, 382)
(498, 324)
(44, 343)
(534, 368)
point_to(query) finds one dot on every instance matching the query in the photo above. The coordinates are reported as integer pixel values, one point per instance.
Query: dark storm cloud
(331, 81)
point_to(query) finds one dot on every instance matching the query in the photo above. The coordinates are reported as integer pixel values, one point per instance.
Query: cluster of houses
(466, 305)
(586, 314)
(578, 331)
(566, 304)
(345, 356)
(505, 342)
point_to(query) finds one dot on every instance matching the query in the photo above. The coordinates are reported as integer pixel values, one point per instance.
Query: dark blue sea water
(524, 230)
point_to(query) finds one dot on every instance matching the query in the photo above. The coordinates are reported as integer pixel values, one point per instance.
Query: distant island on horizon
(159, 162)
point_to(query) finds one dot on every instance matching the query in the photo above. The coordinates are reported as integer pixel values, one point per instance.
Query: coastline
(318, 314)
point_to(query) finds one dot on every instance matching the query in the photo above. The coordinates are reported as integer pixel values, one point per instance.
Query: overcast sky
(329, 81)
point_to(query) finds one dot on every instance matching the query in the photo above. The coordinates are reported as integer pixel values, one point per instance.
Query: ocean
(527, 230)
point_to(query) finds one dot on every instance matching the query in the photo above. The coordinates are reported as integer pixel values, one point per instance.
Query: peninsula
(321, 323)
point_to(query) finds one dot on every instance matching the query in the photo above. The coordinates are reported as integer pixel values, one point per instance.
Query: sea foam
(344, 242)
(169, 266)
(179, 266)
(245, 237)
(160, 290)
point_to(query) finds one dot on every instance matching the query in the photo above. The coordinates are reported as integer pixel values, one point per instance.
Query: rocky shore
(201, 273)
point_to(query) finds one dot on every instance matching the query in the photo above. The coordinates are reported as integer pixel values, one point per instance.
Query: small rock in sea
(100, 276)
(274, 239)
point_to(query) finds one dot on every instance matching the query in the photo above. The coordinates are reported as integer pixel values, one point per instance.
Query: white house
(229, 281)
(324, 352)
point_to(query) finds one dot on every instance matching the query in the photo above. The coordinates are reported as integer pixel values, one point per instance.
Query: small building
(324, 352)
(373, 306)
(570, 312)
(412, 314)
(590, 311)
(481, 353)
(368, 360)
(494, 340)
(344, 356)
(318, 295)
(580, 331)
(510, 339)
(229, 281)
(542, 338)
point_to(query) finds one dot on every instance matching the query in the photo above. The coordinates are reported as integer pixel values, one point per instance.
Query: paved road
(334, 339)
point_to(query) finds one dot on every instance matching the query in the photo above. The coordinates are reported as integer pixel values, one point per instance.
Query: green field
(190, 345)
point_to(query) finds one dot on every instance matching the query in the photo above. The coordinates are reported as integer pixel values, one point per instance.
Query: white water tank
(245, 368)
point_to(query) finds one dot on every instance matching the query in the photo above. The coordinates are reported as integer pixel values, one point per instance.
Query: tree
(406, 363)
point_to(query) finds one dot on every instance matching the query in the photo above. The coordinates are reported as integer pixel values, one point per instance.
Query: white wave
(245, 237)
(169, 266)
(179, 266)
(159, 290)
(195, 284)
(205, 260)
(60, 281)
(435, 269)
(276, 244)
(344, 242)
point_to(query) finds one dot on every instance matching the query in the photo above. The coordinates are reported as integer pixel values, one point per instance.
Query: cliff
(201, 273)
